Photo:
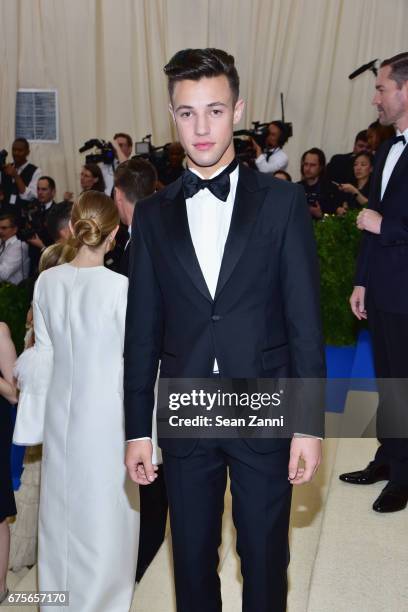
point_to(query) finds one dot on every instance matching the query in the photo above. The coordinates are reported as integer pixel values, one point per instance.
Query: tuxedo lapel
(377, 176)
(248, 199)
(400, 168)
(175, 219)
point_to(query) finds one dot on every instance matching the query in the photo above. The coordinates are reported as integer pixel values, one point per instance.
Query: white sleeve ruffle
(33, 372)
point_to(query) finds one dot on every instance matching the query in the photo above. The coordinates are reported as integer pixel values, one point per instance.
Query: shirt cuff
(135, 439)
(302, 435)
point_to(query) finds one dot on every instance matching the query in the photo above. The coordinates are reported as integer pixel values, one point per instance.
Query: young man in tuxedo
(381, 294)
(224, 280)
(134, 180)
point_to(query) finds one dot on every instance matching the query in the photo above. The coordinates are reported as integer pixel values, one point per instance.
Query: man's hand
(308, 449)
(35, 241)
(10, 170)
(369, 220)
(316, 210)
(139, 462)
(68, 196)
(357, 303)
(257, 148)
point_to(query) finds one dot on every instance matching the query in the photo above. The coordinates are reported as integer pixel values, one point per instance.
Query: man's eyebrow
(210, 105)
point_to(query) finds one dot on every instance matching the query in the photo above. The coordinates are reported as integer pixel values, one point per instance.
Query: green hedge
(14, 305)
(338, 242)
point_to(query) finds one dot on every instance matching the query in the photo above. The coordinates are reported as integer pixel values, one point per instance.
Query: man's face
(7, 229)
(360, 145)
(20, 153)
(311, 166)
(390, 100)
(273, 136)
(124, 146)
(205, 115)
(44, 192)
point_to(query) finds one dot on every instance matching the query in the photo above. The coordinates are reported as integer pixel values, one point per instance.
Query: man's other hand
(357, 303)
(139, 462)
(369, 220)
(308, 450)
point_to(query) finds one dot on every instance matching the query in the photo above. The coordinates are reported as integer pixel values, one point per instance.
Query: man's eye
(185, 114)
(216, 112)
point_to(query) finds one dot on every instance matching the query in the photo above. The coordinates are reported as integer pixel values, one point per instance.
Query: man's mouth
(203, 146)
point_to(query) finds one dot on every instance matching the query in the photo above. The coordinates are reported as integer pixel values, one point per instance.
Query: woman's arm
(7, 360)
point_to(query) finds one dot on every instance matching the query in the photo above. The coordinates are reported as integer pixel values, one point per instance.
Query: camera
(245, 151)
(106, 153)
(32, 221)
(3, 158)
(158, 156)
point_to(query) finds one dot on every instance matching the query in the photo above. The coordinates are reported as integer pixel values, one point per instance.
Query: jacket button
(216, 318)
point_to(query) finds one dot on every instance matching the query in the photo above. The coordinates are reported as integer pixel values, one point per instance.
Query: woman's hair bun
(87, 231)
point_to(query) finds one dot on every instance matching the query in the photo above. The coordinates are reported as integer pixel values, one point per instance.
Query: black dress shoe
(392, 498)
(371, 474)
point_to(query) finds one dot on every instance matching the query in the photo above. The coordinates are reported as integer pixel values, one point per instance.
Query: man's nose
(202, 124)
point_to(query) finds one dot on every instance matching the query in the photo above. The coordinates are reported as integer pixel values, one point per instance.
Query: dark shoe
(3, 595)
(392, 498)
(372, 473)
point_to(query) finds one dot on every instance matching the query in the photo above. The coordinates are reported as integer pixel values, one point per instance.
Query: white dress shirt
(392, 158)
(14, 261)
(277, 161)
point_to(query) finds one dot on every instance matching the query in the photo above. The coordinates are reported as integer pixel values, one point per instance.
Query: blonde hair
(94, 216)
(55, 255)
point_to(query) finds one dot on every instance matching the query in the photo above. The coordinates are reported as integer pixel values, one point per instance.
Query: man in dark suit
(341, 166)
(381, 291)
(134, 180)
(223, 281)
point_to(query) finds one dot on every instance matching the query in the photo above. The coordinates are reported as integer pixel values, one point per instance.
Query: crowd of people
(96, 533)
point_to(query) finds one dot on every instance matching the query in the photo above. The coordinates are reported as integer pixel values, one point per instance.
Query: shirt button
(216, 318)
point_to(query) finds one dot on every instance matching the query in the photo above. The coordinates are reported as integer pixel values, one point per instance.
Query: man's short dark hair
(24, 141)
(399, 68)
(361, 136)
(126, 136)
(9, 216)
(51, 182)
(194, 64)
(58, 218)
(136, 178)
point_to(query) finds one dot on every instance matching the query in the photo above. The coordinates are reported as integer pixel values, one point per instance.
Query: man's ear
(238, 111)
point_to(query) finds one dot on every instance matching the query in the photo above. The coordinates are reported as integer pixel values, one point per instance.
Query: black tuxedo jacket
(264, 320)
(382, 265)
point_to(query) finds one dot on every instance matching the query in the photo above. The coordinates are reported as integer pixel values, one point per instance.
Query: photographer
(322, 196)
(272, 158)
(92, 178)
(19, 179)
(14, 260)
(58, 222)
(123, 146)
(35, 231)
(174, 166)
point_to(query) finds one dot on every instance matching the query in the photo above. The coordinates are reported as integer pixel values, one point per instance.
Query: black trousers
(261, 497)
(390, 346)
(153, 517)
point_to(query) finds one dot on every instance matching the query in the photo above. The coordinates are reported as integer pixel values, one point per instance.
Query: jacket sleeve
(33, 371)
(143, 335)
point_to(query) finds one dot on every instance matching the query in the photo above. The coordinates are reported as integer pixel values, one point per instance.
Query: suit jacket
(264, 320)
(382, 265)
(340, 168)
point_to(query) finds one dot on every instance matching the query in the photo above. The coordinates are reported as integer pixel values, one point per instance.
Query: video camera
(244, 149)
(106, 153)
(32, 221)
(158, 156)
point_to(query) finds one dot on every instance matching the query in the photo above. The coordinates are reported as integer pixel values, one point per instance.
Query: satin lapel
(175, 219)
(399, 169)
(248, 199)
(377, 176)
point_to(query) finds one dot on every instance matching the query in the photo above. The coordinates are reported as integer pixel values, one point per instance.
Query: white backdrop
(105, 57)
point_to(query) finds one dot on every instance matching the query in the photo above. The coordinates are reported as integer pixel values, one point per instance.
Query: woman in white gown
(89, 518)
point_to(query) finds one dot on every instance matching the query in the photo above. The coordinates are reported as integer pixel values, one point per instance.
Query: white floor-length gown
(89, 511)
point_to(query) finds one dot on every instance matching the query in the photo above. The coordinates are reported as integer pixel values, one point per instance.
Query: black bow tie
(396, 139)
(219, 185)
